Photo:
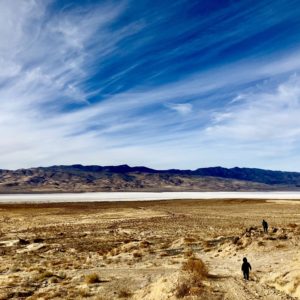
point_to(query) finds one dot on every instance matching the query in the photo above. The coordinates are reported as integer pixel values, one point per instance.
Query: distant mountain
(79, 178)
(254, 175)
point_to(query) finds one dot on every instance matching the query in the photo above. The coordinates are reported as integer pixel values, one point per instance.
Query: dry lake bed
(61, 247)
(141, 196)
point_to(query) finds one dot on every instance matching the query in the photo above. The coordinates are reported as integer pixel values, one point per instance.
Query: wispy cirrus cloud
(176, 85)
(181, 108)
(261, 116)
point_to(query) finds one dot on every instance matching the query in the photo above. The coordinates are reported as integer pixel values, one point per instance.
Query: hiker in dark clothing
(265, 226)
(246, 267)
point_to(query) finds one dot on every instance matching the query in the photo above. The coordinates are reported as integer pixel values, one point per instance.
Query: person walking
(265, 226)
(246, 267)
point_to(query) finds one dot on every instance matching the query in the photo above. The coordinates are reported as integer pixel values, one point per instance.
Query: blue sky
(165, 84)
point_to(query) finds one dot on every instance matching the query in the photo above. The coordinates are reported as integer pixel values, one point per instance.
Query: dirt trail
(230, 282)
(238, 289)
(266, 278)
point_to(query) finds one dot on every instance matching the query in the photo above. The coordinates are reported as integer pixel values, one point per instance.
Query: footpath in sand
(273, 276)
(274, 260)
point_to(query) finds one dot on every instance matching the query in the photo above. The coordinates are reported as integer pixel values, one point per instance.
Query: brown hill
(78, 178)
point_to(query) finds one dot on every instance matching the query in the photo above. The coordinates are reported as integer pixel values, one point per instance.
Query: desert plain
(171, 249)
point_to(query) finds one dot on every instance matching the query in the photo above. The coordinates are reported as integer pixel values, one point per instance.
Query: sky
(164, 84)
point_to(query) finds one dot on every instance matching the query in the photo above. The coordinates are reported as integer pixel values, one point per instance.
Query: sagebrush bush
(124, 293)
(137, 255)
(182, 290)
(196, 266)
(260, 243)
(188, 253)
(191, 283)
(92, 278)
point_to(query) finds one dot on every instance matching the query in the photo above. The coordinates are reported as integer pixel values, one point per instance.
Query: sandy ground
(150, 250)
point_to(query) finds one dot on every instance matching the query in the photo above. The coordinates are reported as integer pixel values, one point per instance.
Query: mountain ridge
(93, 178)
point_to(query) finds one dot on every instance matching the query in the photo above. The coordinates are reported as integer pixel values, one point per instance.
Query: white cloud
(262, 116)
(181, 108)
(45, 59)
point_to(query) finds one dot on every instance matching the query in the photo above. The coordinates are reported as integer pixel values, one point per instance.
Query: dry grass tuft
(137, 254)
(144, 244)
(196, 267)
(101, 298)
(164, 254)
(188, 253)
(165, 245)
(189, 240)
(182, 290)
(84, 292)
(92, 278)
(260, 243)
(192, 283)
(235, 240)
(42, 276)
(124, 293)
(280, 246)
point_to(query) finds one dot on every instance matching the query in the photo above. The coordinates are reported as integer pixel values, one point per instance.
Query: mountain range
(79, 178)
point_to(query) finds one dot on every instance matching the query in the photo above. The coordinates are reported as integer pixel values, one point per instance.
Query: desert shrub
(239, 243)
(164, 245)
(197, 291)
(6, 295)
(271, 238)
(235, 240)
(92, 278)
(144, 244)
(124, 293)
(208, 244)
(15, 269)
(164, 254)
(189, 253)
(189, 240)
(260, 243)
(191, 283)
(43, 275)
(280, 246)
(61, 275)
(282, 236)
(114, 252)
(84, 293)
(182, 290)
(196, 267)
(137, 255)
(54, 280)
